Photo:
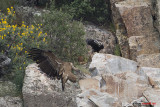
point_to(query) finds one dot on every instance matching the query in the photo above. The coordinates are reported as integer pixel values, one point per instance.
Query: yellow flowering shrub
(21, 39)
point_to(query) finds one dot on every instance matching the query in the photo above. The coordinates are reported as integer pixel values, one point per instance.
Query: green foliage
(6, 4)
(117, 50)
(66, 37)
(96, 11)
(21, 39)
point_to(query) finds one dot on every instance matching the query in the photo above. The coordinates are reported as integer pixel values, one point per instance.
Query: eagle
(95, 44)
(52, 66)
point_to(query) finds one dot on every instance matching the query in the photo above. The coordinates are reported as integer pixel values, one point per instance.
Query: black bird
(96, 45)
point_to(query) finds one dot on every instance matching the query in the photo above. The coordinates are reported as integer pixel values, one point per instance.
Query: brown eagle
(52, 66)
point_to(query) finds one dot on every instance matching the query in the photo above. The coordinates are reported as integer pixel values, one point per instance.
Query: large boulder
(156, 13)
(41, 91)
(149, 60)
(135, 29)
(152, 74)
(9, 101)
(111, 90)
(153, 96)
(107, 63)
(95, 98)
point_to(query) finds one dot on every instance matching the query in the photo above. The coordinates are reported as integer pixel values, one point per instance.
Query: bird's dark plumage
(96, 45)
(52, 66)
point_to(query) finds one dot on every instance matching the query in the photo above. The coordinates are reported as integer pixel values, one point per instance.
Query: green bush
(4, 4)
(65, 36)
(21, 39)
(96, 11)
(117, 50)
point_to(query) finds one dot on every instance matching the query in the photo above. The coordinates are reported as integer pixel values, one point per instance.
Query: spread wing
(47, 61)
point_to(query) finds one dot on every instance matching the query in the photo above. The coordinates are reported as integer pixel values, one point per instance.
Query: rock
(138, 21)
(89, 83)
(106, 63)
(121, 32)
(103, 35)
(143, 45)
(126, 86)
(156, 13)
(117, 89)
(149, 60)
(27, 14)
(92, 97)
(9, 101)
(7, 88)
(41, 91)
(137, 103)
(136, 16)
(153, 75)
(153, 96)
(135, 30)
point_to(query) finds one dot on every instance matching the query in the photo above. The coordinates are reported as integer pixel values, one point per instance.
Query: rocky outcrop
(149, 60)
(121, 32)
(139, 36)
(8, 101)
(128, 85)
(103, 35)
(153, 96)
(107, 63)
(41, 91)
(156, 13)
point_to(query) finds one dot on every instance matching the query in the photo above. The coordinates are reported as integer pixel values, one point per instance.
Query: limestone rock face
(153, 96)
(106, 63)
(140, 45)
(8, 101)
(137, 26)
(136, 17)
(149, 60)
(103, 35)
(156, 13)
(153, 75)
(41, 91)
(124, 86)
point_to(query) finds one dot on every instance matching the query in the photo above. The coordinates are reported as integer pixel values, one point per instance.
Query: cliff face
(137, 26)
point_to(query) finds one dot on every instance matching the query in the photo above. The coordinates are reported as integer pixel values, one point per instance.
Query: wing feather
(47, 61)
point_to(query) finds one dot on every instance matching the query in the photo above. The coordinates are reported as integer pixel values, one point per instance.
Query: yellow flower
(44, 39)
(39, 33)
(4, 22)
(31, 31)
(23, 33)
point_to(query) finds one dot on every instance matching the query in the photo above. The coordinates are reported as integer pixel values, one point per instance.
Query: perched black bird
(96, 45)
(52, 66)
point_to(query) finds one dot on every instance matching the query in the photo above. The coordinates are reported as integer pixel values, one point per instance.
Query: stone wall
(139, 36)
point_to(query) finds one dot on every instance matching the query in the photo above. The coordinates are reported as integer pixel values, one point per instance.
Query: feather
(96, 45)
(52, 66)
